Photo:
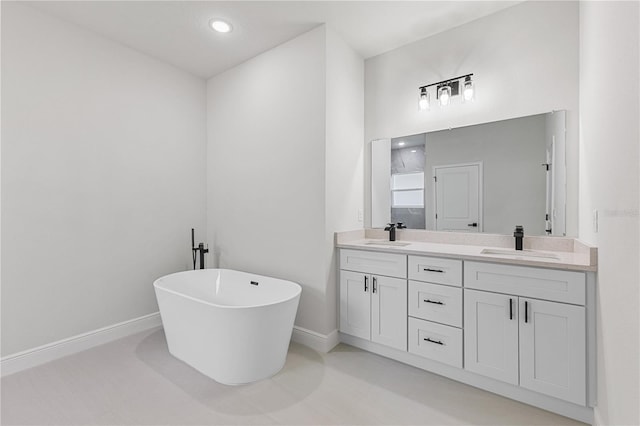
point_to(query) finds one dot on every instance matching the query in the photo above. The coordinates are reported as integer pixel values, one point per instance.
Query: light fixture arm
(449, 80)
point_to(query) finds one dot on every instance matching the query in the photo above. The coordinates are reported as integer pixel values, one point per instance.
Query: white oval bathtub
(232, 326)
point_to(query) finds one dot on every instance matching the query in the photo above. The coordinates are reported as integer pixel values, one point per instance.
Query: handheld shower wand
(193, 248)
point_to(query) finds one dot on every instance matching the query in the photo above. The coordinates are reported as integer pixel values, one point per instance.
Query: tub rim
(263, 305)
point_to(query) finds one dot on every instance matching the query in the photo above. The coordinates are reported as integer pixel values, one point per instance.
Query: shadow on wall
(276, 393)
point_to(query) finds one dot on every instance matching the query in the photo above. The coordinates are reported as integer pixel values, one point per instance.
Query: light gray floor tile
(135, 381)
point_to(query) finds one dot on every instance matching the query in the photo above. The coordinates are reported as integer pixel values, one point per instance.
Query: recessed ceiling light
(400, 143)
(413, 150)
(220, 26)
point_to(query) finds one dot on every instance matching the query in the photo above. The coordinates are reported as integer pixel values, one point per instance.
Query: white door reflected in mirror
(458, 199)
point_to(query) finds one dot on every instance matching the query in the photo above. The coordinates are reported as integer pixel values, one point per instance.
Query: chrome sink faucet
(519, 235)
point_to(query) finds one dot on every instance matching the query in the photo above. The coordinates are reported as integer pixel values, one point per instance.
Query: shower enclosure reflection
(482, 178)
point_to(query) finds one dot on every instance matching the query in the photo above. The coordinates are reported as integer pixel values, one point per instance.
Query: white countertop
(581, 260)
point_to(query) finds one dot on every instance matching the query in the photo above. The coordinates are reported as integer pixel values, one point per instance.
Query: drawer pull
(432, 270)
(434, 302)
(375, 281)
(437, 342)
(510, 309)
(366, 280)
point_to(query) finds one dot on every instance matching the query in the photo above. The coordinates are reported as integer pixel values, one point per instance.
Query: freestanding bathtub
(232, 326)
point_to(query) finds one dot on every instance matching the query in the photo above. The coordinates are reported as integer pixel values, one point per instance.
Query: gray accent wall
(512, 153)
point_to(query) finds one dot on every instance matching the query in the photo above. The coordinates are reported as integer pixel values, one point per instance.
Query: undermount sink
(387, 243)
(521, 253)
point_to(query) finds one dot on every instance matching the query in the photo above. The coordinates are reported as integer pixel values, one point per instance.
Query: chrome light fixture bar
(445, 89)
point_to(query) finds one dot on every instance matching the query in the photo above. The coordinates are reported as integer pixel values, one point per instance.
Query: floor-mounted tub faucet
(194, 250)
(518, 234)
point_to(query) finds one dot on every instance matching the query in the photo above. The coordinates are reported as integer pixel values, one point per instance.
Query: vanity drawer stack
(435, 309)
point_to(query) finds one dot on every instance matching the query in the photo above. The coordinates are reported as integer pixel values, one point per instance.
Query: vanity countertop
(548, 252)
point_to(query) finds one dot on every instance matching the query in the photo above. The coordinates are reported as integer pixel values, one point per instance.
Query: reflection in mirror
(482, 178)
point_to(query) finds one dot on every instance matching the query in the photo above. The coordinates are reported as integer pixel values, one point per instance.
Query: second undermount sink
(387, 243)
(521, 253)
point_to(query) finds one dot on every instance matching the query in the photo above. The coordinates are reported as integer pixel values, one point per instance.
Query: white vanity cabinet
(536, 344)
(524, 332)
(374, 306)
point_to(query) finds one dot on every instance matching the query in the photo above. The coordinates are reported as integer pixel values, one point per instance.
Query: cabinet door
(389, 311)
(355, 304)
(491, 335)
(553, 349)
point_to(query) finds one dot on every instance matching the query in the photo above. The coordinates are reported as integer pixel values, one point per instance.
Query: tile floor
(134, 381)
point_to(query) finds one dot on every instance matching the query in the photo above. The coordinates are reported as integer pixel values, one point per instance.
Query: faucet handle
(519, 231)
(401, 225)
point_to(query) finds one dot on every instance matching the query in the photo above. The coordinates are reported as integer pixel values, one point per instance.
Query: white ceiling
(177, 31)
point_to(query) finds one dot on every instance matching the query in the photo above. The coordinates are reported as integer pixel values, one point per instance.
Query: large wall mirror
(482, 178)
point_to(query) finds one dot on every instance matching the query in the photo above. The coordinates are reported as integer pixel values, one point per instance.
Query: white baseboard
(316, 341)
(52, 351)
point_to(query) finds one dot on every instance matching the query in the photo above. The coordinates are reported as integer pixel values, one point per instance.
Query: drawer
(435, 341)
(435, 270)
(548, 284)
(371, 262)
(435, 302)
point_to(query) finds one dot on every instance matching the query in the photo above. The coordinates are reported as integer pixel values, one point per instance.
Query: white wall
(609, 183)
(524, 59)
(284, 157)
(266, 168)
(344, 154)
(103, 175)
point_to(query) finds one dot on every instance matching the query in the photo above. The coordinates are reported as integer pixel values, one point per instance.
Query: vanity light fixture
(424, 103)
(446, 89)
(444, 94)
(220, 26)
(468, 91)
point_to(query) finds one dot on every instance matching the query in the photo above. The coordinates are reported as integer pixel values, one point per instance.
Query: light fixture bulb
(424, 103)
(401, 143)
(220, 26)
(468, 91)
(444, 95)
